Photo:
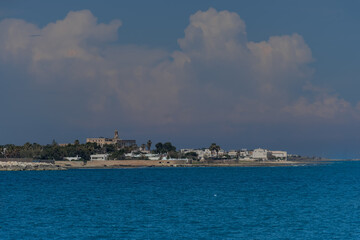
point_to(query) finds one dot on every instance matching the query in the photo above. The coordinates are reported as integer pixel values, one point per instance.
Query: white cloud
(214, 34)
(15, 40)
(217, 75)
(77, 36)
(280, 57)
(324, 106)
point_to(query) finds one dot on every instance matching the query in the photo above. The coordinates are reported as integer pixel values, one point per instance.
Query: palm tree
(213, 147)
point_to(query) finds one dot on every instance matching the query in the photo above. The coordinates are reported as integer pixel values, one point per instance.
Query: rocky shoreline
(111, 164)
(64, 165)
(28, 166)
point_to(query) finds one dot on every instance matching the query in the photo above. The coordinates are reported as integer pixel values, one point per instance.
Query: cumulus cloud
(324, 106)
(281, 59)
(216, 75)
(213, 34)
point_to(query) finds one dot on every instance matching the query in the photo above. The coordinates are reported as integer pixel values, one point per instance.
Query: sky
(281, 75)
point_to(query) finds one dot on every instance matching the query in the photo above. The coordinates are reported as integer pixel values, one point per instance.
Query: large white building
(263, 154)
(260, 154)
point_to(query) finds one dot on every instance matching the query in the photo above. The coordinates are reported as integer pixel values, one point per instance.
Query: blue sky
(244, 74)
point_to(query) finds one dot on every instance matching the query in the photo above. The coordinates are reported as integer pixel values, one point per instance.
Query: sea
(301, 202)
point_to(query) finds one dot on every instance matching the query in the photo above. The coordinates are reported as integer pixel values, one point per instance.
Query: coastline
(114, 164)
(121, 164)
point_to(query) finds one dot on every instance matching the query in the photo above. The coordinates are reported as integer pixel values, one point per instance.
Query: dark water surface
(309, 202)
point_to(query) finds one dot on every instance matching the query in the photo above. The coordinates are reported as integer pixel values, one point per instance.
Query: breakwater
(26, 160)
(28, 166)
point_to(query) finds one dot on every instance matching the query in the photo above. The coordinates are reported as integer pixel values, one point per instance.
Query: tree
(165, 148)
(53, 152)
(118, 155)
(12, 151)
(168, 147)
(109, 148)
(159, 148)
(191, 155)
(172, 154)
(148, 144)
(213, 147)
(27, 146)
(77, 142)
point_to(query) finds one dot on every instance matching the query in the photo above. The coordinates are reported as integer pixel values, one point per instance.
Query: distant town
(115, 148)
(167, 151)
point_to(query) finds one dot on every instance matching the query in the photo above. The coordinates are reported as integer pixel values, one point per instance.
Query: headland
(102, 152)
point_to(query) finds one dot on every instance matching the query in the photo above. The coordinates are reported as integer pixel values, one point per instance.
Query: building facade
(279, 155)
(260, 154)
(112, 141)
(102, 157)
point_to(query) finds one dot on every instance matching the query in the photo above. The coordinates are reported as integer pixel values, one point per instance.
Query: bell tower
(116, 136)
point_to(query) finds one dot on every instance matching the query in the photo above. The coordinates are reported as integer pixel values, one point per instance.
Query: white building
(150, 156)
(202, 153)
(99, 157)
(281, 155)
(187, 150)
(244, 154)
(260, 154)
(233, 153)
(205, 153)
(221, 153)
(72, 158)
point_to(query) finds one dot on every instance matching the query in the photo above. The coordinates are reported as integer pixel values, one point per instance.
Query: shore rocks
(28, 166)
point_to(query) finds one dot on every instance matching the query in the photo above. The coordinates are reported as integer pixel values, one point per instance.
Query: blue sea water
(306, 202)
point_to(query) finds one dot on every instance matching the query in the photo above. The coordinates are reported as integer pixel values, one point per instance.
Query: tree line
(50, 151)
(54, 151)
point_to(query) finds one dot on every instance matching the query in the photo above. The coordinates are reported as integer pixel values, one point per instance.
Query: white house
(221, 153)
(72, 158)
(233, 153)
(99, 157)
(244, 154)
(187, 150)
(260, 154)
(202, 153)
(150, 156)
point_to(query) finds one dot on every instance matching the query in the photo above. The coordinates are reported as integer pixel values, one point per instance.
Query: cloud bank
(216, 75)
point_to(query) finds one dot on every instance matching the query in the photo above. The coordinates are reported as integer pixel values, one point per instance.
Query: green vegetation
(164, 148)
(191, 155)
(119, 154)
(215, 148)
(56, 152)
